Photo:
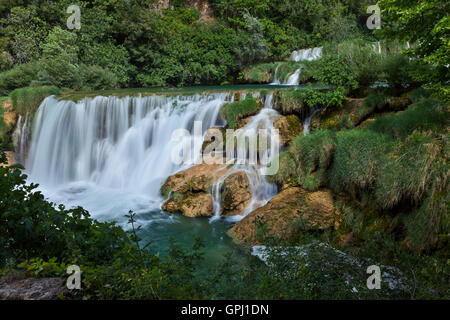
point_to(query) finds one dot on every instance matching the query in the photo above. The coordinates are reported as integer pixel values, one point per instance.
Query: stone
(292, 210)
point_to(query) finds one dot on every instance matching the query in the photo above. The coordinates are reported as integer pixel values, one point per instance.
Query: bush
(357, 156)
(396, 69)
(19, 76)
(260, 73)
(423, 115)
(376, 101)
(418, 94)
(351, 64)
(302, 101)
(235, 111)
(306, 161)
(30, 98)
(96, 78)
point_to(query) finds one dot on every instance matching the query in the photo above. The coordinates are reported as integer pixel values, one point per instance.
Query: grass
(235, 111)
(423, 115)
(28, 99)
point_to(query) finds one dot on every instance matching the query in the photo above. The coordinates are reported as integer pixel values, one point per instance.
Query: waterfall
(262, 191)
(111, 154)
(298, 56)
(307, 122)
(307, 54)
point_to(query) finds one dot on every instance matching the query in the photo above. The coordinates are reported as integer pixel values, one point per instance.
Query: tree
(427, 25)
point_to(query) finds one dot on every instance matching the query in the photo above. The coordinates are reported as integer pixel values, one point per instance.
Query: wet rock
(196, 179)
(236, 194)
(189, 191)
(291, 211)
(288, 128)
(32, 289)
(191, 205)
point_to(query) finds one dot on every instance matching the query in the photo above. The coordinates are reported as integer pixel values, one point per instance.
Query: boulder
(32, 289)
(288, 128)
(191, 205)
(196, 179)
(236, 194)
(291, 211)
(189, 191)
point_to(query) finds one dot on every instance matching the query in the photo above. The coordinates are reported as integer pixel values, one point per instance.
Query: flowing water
(298, 56)
(111, 155)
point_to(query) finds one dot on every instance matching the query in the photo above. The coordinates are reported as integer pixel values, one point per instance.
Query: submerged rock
(292, 210)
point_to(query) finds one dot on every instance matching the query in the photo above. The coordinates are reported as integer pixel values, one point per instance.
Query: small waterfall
(293, 79)
(298, 56)
(275, 79)
(21, 137)
(262, 191)
(307, 54)
(307, 122)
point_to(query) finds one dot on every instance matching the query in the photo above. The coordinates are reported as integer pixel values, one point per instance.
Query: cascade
(111, 154)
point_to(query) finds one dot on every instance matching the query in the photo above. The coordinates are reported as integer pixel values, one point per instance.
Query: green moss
(166, 190)
(260, 73)
(235, 111)
(28, 99)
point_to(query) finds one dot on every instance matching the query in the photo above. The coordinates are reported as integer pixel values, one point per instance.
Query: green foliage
(426, 24)
(355, 162)
(375, 101)
(306, 161)
(29, 99)
(301, 102)
(418, 94)
(95, 78)
(237, 110)
(260, 73)
(59, 63)
(19, 76)
(426, 114)
(351, 64)
(397, 71)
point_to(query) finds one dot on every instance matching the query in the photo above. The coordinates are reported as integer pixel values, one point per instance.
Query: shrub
(302, 101)
(418, 94)
(19, 76)
(357, 156)
(307, 160)
(96, 78)
(396, 69)
(424, 115)
(406, 173)
(351, 64)
(376, 101)
(260, 73)
(30, 98)
(235, 111)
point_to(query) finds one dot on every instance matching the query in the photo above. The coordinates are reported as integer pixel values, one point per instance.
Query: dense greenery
(29, 99)
(124, 43)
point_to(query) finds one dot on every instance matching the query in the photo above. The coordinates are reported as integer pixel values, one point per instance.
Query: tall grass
(28, 99)
(427, 114)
